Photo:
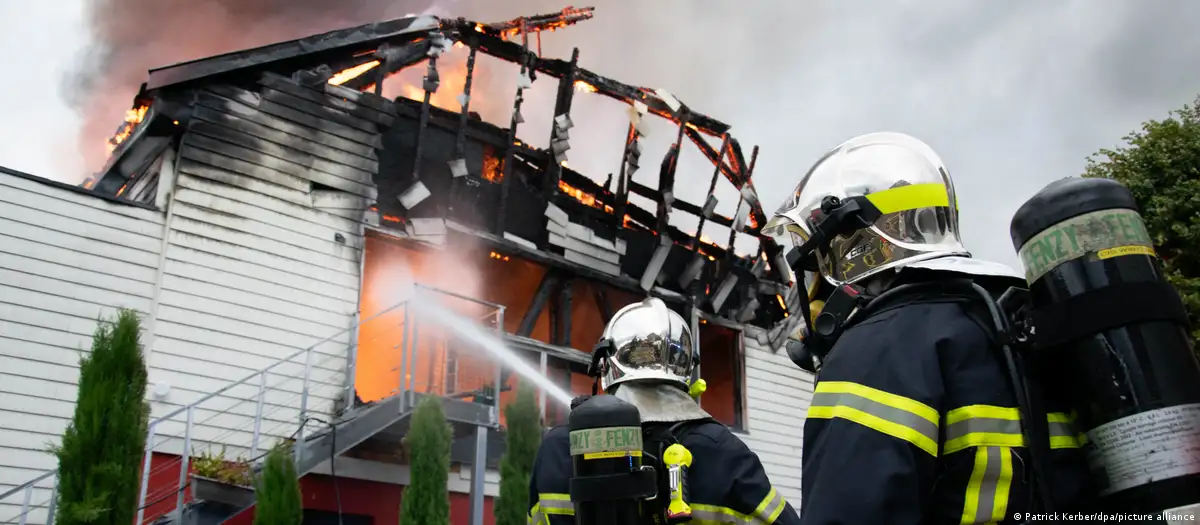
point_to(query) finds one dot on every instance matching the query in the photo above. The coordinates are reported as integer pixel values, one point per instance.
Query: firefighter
(646, 358)
(915, 416)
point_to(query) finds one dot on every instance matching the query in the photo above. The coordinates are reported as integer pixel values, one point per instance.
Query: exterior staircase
(282, 401)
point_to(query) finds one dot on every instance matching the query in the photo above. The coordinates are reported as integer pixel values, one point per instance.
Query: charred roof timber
(305, 120)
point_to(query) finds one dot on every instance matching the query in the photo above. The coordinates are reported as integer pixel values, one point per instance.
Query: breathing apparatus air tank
(610, 482)
(1112, 334)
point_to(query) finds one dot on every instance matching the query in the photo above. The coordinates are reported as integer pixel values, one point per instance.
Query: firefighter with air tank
(647, 453)
(950, 390)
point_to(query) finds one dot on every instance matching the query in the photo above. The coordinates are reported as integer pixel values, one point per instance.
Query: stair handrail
(28, 485)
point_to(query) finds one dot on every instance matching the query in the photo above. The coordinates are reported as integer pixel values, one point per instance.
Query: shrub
(426, 500)
(522, 438)
(278, 491)
(102, 449)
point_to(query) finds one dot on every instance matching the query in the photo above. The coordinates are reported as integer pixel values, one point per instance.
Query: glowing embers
(584, 87)
(585, 198)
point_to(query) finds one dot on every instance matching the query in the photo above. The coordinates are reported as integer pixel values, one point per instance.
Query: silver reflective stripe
(557, 506)
(982, 426)
(894, 415)
(709, 515)
(988, 488)
(1063, 433)
(770, 508)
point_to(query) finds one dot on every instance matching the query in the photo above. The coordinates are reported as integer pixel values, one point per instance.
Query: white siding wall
(250, 279)
(66, 260)
(778, 394)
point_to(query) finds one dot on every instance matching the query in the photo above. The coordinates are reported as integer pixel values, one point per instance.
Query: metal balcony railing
(283, 399)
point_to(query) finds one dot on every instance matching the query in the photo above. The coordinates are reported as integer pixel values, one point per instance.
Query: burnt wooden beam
(734, 176)
(552, 260)
(733, 169)
(313, 50)
(540, 298)
(626, 93)
(601, 297)
(416, 191)
(626, 174)
(559, 129)
(326, 100)
(510, 146)
(460, 138)
(710, 202)
(666, 176)
(393, 60)
(555, 317)
(566, 290)
(642, 190)
(732, 231)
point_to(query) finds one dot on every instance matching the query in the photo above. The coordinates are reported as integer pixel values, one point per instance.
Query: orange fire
(584, 197)
(133, 117)
(347, 74)
(492, 165)
(584, 87)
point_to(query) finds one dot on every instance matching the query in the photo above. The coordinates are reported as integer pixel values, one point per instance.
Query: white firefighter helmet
(647, 342)
(902, 181)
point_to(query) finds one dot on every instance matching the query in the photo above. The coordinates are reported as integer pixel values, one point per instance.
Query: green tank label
(1110, 232)
(610, 439)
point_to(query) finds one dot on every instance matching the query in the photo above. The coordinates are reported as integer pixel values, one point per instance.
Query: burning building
(280, 223)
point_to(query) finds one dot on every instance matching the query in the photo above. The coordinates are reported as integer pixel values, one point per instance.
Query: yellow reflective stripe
(986, 425)
(988, 488)
(879, 396)
(982, 425)
(770, 507)
(559, 504)
(910, 197)
(715, 515)
(883, 412)
(1063, 433)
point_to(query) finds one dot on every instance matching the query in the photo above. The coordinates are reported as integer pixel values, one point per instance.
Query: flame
(564, 164)
(347, 74)
(587, 199)
(498, 257)
(584, 87)
(627, 221)
(122, 190)
(391, 218)
(133, 117)
(459, 45)
(479, 28)
(492, 165)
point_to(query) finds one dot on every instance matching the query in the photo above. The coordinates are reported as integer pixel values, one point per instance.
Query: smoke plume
(132, 36)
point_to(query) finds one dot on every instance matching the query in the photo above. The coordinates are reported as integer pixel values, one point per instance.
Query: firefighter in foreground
(646, 358)
(915, 418)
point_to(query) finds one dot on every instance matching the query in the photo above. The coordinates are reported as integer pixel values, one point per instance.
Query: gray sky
(1011, 94)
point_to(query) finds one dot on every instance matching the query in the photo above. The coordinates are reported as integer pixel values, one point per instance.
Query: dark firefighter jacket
(913, 421)
(726, 482)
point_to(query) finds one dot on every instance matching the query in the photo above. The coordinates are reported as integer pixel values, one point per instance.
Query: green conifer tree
(522, 438)
(278, 499)
(426, 500)
(101, 451)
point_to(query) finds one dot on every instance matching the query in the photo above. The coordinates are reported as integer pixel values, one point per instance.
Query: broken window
(722, 361)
